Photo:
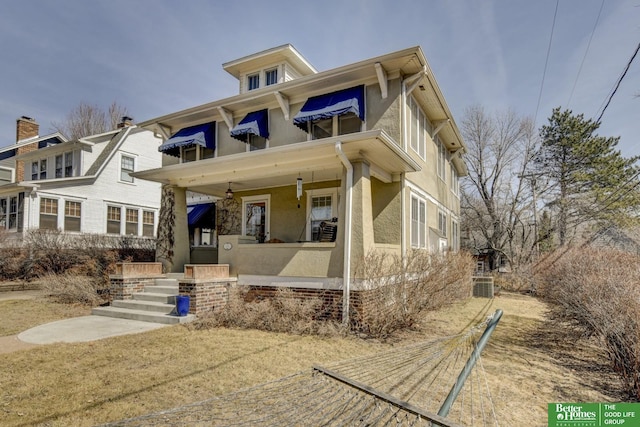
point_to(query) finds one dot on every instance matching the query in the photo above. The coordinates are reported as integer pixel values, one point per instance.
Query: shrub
(71, 289)
(596, 291)
(401, 290)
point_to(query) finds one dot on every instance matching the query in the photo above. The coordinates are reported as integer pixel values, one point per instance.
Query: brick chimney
(26, 127)
(125, 122)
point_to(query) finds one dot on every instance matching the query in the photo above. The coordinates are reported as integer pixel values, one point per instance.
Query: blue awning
(203, 135)
(256, 123)
(196, 212)
(331, 104)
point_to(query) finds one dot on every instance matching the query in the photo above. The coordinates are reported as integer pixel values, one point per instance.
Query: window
(255, 217)
(196, 152)
(39, 170)
(59, 168)
(321, 206)
(126, 168)
(418, 127)
(270, 77)
(132, 222)
(349, 123)
(256, 142)
(113, 219)
(3, 213)
(253, 81)
(48, 214)
(72, 214)
(455, 237)
(68, 164)
(442, 222)
(189, 154)
(455, 182)
(418, 222)
(13, 212)
(43, 169)
(35, 168)
(336, 125)
(148, 223)
(6, 176)
(441, 158)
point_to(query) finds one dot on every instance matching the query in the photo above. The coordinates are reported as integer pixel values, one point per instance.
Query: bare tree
(86, 119)
(498, 204)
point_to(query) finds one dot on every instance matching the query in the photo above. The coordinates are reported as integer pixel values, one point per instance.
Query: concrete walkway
(75, 329)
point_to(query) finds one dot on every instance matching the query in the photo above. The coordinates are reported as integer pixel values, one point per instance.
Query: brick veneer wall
(331, 300)
(123, 288)
(206, 294)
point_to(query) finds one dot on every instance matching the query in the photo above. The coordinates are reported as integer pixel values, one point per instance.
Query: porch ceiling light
(229, 192)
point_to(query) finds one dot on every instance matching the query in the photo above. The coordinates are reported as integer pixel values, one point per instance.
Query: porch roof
(279, 166)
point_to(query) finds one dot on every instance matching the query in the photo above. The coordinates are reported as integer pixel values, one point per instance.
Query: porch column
(181, 247)
(173, 230)
(362, 238)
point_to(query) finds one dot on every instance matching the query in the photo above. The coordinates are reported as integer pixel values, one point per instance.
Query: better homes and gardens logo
(593, 414)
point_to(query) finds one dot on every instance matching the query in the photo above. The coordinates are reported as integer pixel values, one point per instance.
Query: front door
(255, 217)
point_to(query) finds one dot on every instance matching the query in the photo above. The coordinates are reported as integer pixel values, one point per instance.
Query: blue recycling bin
(182, 305)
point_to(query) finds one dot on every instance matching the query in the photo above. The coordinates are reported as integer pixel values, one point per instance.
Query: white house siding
(107, 189)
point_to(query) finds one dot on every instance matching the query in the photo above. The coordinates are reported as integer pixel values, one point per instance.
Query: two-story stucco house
(82, 186)
(314, 169)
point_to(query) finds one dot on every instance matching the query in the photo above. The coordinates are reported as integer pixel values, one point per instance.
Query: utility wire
(546, 62)
(585, 53)
(624, 73)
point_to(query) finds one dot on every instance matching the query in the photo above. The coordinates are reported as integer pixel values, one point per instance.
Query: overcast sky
(159, 56)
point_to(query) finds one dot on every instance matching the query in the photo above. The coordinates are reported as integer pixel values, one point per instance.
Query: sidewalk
(75, 329)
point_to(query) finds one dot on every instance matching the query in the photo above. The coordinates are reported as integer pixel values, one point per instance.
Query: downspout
(403, 197)
(347, 234)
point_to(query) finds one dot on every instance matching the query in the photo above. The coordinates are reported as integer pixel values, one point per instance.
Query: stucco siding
(387, 212)
(385, 113)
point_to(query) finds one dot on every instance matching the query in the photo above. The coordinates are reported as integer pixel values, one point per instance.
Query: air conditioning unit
(483, 287)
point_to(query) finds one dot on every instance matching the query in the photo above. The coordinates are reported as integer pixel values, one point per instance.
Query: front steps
(155, 304)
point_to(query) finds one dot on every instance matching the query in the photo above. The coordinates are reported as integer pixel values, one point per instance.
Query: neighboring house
(323, 167)
(82, 186)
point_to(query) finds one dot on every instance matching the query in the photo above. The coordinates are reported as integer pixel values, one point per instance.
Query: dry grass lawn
(90, 383)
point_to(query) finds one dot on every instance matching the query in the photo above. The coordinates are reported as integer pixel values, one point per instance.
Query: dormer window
(253, 81)
(271, 77)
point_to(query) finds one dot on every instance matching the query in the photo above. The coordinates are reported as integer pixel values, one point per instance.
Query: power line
(624, 73)
(585, 53)
(546, 62)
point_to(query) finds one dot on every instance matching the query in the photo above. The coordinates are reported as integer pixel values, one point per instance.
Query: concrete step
(151, 306)
(155, 297)
(166, 282)
(162, 289)
(175, 276)
(142, 315)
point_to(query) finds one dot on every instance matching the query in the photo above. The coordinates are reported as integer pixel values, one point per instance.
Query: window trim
(320, 192)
